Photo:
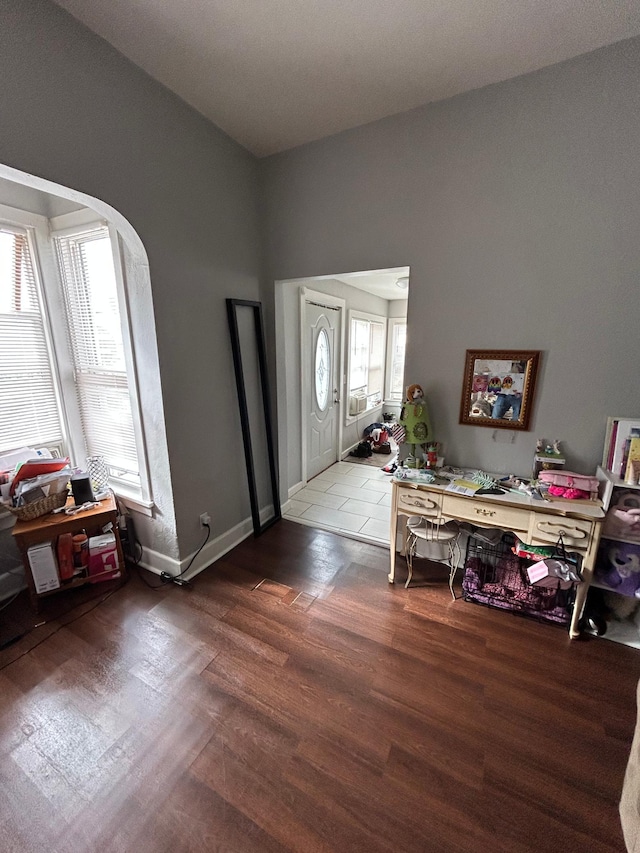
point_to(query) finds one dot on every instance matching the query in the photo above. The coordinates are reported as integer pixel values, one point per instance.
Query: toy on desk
(432, 455)
(416, 475)
(414, 417)
(516, 485)
(548, 456)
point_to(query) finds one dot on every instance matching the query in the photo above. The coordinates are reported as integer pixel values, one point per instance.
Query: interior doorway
(368, 351)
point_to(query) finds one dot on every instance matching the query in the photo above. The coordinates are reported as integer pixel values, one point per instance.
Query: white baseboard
(212, 551)
(285, 507)
(347, 452)
(295, 489)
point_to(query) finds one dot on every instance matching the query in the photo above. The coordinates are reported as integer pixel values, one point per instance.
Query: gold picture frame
(498, 388)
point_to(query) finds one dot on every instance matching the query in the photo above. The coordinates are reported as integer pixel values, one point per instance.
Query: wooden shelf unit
(47, 528)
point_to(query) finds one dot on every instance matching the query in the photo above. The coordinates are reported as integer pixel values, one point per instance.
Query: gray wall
(76, 112)
(517, 209)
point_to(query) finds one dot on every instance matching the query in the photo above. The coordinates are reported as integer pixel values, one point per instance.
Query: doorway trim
(334, 302)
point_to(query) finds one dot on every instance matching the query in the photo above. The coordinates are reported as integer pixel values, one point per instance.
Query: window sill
(352, 419)
(133, 500)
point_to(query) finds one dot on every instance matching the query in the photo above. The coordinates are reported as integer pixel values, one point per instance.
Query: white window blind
(398, 347)
(359, 356)
(376, 359)
(95, 335)
(29, 411)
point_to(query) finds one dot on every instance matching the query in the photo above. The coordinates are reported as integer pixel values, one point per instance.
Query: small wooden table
(47, 528)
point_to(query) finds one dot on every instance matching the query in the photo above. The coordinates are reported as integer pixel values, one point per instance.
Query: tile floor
(347, 498)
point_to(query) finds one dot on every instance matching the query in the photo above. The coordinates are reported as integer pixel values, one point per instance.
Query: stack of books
(621, 453)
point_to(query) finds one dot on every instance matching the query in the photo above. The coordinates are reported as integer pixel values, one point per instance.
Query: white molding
(212, 551)
(296, 488)
(133, 503)
(23, 218)
(157, 563)
(68, 224)
(131, 365)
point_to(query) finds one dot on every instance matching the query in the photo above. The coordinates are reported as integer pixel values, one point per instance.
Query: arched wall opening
(155, 523)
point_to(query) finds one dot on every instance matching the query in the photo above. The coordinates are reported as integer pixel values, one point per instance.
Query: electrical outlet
(205, 519)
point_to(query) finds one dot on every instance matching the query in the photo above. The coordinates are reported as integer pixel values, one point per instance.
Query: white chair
(438, 541)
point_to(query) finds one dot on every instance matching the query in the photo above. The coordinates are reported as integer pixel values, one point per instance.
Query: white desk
(535, 522)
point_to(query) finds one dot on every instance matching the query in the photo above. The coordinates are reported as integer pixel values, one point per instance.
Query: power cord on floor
(133, 545)
(18, 637)
(179, 579)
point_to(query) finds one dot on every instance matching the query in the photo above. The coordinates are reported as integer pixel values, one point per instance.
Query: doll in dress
(414, 417)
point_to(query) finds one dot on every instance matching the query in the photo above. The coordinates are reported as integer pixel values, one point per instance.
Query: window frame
(354, 314)
(40, 234)
(392, 324)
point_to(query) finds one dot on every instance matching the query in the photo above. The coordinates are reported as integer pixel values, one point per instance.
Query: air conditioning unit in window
(373, 400)
(357, 404)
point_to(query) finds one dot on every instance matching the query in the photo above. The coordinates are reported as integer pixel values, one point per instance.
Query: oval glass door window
(323, 372)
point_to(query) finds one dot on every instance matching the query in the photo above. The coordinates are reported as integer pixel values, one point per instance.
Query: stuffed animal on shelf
(618, 567)
(414, 417)
(623, 518)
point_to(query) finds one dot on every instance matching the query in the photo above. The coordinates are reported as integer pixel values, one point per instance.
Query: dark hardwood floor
(294, 701)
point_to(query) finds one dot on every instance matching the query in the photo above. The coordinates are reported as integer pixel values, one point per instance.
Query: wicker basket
(34, 510)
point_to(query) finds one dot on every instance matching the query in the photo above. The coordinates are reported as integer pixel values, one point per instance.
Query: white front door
(320, 385)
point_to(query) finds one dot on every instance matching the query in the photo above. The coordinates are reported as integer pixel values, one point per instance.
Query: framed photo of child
(498, 388)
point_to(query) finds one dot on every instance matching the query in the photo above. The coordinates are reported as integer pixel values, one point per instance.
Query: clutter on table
(34, 483)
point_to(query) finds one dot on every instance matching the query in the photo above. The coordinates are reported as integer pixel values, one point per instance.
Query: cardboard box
(44, 568)
(103, 556)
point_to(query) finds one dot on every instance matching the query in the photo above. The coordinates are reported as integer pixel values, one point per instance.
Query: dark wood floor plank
(195, 819)
(264, 801)
(292, 701)
(294, 697)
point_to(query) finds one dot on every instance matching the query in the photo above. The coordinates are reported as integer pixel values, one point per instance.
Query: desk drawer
(418, 502)
(486, 514)
(576, 532)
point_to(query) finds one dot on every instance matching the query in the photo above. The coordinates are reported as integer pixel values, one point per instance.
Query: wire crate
(495, 576)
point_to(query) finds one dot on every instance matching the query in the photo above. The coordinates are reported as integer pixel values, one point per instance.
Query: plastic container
(65, 556)
(80, 552)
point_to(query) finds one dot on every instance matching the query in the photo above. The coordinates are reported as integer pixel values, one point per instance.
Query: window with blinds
(366, 359)
(395, 355)
(95, 337)
(29, 410)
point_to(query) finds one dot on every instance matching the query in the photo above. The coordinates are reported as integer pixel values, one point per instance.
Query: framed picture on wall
(498, 388)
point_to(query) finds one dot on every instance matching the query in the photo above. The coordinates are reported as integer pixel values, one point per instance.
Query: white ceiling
(277, 73)
(383, 283)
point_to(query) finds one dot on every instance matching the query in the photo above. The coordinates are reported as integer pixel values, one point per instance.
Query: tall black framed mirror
(250, 365)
